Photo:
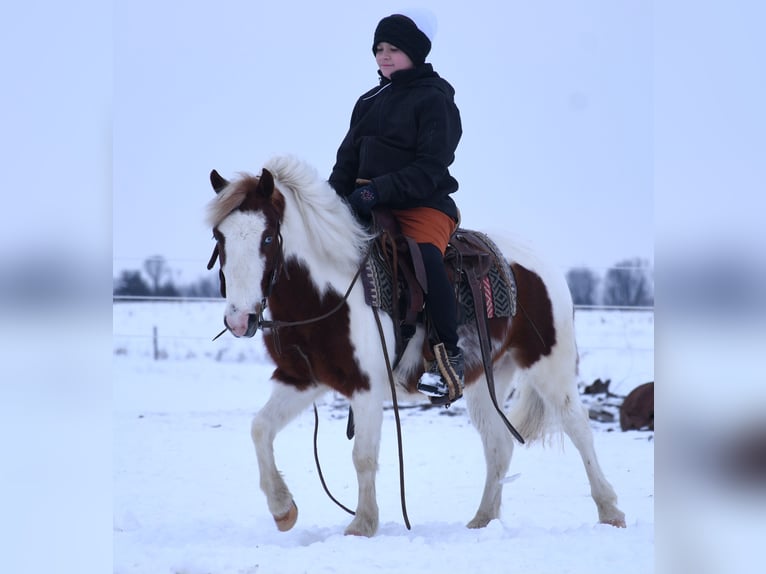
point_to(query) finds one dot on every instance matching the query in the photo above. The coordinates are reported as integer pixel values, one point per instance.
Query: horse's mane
(328, 223)
(313, 209)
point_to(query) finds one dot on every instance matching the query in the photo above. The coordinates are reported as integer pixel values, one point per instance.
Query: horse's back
(522, 253)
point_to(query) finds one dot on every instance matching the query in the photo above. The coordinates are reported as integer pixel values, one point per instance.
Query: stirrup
(443, 380)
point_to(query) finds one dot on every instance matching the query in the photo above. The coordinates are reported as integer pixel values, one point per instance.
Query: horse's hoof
(478, 523)
(365, 528)
(286, 522)
(360, 533)
(616, 519)
(618, 522)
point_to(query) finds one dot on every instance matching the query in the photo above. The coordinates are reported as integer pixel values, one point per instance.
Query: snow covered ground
(186, 495)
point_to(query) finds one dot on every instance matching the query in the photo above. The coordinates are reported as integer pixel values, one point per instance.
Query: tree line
(155, 280)
(628, 283)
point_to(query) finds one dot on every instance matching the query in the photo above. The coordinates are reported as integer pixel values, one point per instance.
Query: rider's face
(391, 59)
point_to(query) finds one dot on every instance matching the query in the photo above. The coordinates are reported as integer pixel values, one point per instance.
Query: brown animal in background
(597, 387)
(637, 410)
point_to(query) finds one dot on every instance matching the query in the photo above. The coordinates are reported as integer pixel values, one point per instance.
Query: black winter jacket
(403, 137)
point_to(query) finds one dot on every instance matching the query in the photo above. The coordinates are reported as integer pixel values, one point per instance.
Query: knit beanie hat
(402, 32)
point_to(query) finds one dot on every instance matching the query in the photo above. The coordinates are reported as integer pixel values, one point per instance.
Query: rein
(275, 325)
(486, 353)
(267, 324)
(263, 324)
(349, 434)
(396, 417)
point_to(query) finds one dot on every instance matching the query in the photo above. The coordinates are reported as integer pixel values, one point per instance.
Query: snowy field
(186, 495)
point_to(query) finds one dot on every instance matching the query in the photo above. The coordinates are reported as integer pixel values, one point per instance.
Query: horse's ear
(217, 181)
(266, 183)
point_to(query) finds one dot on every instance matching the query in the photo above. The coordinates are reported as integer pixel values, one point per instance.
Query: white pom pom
(425, 20)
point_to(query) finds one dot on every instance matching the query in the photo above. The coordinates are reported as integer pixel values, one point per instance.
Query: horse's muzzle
(252, 326)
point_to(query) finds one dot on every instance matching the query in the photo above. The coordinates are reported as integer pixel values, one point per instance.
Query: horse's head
(245, 216)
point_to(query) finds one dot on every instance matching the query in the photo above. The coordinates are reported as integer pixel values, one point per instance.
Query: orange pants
(426, 225)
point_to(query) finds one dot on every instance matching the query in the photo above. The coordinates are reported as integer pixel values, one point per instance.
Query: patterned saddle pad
(468, 252)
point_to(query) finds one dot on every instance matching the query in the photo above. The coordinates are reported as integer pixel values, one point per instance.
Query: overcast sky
(555, 97)
(593, 127)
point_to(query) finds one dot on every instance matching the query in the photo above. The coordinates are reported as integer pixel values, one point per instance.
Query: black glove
(363, 199)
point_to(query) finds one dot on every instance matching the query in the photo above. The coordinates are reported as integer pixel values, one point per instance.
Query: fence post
(154, 340)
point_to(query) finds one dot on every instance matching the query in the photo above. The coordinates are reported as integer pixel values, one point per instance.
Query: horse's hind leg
(574, 418)
(554, 391)
(285, 403)
(496, 439)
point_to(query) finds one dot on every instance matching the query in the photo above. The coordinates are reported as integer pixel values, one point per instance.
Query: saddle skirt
(473, 255)
(394, 283)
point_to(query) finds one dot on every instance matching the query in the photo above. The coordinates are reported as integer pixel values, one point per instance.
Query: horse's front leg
(285, 403)
(368, 418)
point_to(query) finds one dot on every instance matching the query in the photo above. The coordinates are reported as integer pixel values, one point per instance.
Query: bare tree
(629, 284)
(156, 268)
(582, 284)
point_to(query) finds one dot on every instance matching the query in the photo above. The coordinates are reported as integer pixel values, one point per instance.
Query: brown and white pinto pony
(289, 246)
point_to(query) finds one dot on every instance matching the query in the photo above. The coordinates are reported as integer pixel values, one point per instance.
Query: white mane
(332, 232)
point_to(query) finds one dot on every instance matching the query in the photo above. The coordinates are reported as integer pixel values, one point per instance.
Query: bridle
(275, 325)
(260, 321)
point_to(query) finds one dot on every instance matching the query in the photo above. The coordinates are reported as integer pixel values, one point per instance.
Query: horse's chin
(246, 335)
(252, 327)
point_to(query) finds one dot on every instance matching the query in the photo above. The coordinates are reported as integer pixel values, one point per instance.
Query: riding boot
(444, 378)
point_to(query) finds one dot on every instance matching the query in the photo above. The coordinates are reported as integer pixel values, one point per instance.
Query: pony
(290, 247)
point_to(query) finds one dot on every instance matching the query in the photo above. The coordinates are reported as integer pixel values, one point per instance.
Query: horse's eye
(268, 239)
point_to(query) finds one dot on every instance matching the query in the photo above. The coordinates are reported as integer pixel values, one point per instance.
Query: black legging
(440, 299)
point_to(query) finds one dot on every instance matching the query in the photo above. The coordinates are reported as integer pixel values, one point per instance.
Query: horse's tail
(529, 414)
(546, 390)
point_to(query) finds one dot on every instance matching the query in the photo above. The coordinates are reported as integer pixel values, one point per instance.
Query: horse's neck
(322, 271)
